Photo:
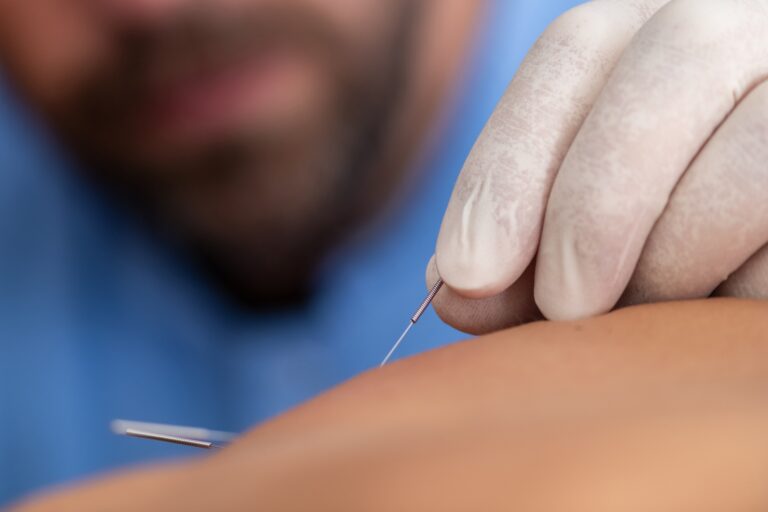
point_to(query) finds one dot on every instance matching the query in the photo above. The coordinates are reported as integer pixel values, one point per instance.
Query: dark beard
(241, 204)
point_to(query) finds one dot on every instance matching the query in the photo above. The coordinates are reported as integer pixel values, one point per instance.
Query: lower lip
(258, 93)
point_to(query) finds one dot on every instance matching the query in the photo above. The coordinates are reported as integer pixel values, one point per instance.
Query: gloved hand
(627, 162)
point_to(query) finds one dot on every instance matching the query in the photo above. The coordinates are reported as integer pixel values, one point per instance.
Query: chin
(264, 277)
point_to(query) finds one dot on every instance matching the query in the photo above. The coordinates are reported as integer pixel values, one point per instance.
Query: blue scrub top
(99, 321)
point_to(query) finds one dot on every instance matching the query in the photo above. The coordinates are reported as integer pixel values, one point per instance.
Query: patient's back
(649, 408)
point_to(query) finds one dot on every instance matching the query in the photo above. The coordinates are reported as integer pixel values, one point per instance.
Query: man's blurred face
(245, 126)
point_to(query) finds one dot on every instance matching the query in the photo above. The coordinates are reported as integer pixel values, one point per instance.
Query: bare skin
(651, 408)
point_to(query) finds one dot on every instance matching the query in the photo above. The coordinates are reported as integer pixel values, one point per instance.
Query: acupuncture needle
(208, 439)
(187, 436)
(207, 445)
(415, 318)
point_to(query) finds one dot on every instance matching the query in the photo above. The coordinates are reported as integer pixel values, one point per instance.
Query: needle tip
(397, 344)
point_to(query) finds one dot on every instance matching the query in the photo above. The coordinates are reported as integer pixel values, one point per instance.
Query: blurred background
(213, 211)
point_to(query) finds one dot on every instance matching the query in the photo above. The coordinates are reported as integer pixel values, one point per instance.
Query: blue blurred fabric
(99, 321)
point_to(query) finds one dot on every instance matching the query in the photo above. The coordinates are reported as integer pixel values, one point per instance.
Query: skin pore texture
(651, 408)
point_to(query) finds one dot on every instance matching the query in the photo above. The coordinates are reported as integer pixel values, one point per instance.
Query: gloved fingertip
(470, 278)
(431, 274)
(565, 289)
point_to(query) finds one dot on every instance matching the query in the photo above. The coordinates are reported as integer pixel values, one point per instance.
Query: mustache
(197, 39)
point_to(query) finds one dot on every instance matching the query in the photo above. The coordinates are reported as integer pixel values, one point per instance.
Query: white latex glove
(631, 153)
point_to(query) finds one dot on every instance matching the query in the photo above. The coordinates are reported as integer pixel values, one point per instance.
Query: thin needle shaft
(201, 434)
(415, 318)
(397, 344)
(170, 439)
